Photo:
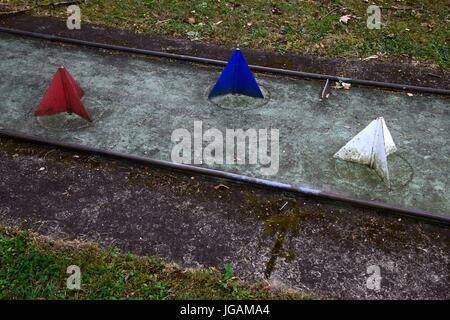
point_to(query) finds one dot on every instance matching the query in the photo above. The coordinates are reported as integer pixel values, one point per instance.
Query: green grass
(417, 29)
(34, 267)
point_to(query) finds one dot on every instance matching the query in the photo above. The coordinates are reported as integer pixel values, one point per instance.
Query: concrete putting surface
(137, 103)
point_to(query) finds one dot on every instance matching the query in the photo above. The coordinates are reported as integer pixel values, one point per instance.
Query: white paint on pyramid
(371, 147)
(379, 154)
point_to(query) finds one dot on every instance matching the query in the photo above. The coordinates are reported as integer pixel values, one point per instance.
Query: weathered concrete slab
(138, 103)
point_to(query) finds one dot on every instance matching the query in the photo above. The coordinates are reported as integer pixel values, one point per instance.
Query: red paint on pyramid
(63, 95)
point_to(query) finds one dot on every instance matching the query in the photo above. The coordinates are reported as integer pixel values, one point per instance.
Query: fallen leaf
(191, 20)
(345, 18)
(193, 35)
(346, 85)
(342, 85)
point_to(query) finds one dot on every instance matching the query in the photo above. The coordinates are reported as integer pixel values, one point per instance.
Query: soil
(394, 70)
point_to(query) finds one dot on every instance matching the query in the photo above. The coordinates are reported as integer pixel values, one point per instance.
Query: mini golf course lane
(136, 103)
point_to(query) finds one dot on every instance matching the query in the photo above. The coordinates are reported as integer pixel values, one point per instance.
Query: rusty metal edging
(414, 213)
(181, 57)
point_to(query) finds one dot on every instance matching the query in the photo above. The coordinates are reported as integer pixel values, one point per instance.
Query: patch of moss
(281, 219)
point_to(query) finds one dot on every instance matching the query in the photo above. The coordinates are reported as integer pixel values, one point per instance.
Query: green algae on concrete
(138, 102)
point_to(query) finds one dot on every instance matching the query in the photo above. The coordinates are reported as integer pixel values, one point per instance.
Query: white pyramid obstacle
(371, 147)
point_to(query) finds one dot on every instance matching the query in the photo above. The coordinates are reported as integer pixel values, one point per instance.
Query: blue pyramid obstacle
(236, 78)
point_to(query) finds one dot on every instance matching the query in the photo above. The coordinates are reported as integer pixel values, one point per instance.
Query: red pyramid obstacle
(63, 95)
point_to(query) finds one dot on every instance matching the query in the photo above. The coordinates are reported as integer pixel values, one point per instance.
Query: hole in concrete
(362, 177)
(238, 101)
(71, 122)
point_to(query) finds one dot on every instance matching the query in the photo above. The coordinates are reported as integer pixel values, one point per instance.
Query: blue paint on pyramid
(236, 78)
